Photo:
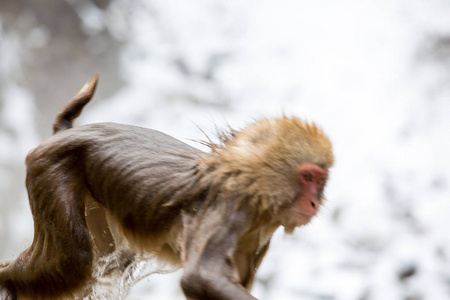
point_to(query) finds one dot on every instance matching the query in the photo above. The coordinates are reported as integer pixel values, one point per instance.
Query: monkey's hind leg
(59, 261)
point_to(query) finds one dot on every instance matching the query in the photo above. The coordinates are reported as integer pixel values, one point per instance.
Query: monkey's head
(279, 166)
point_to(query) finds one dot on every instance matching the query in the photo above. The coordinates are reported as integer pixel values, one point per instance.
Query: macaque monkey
(211, 213)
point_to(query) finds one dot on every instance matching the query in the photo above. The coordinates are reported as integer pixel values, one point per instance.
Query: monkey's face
(311, 180)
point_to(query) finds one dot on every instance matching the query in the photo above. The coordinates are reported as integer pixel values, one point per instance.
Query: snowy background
(375, 75)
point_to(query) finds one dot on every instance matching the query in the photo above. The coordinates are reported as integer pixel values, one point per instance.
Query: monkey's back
(126, 167)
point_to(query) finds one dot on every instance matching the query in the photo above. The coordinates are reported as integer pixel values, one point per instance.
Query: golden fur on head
(273, 141)
(262, 160)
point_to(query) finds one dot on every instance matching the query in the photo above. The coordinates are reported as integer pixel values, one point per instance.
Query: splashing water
(116, 273)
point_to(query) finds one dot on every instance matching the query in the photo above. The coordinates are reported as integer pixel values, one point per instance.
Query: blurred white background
(375, 75)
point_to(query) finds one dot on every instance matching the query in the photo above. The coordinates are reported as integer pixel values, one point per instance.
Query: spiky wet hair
(259, 164)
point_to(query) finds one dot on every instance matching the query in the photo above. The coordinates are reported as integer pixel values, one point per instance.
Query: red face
(312, 179)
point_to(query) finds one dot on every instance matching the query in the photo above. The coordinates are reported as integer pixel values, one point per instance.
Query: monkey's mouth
(301, 218)
(303, 214)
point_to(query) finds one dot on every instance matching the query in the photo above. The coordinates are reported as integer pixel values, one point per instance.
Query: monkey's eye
(307, 177)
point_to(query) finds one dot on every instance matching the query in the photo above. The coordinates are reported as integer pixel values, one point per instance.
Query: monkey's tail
(73, 109)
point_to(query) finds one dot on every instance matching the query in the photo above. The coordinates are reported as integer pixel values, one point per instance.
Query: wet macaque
(99, 188)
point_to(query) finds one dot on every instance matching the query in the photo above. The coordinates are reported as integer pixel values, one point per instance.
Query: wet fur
(101, 187)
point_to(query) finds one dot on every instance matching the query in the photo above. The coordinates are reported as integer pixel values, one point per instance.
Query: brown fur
(108, 187)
